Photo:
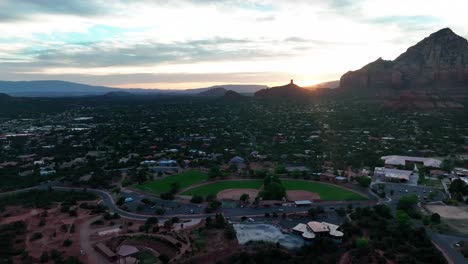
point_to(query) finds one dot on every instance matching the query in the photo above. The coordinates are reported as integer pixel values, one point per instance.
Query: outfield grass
(147, 257)
(216, 187)
(327, 192)
(185, 179)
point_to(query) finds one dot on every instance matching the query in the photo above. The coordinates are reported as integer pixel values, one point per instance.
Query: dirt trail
(92, 255)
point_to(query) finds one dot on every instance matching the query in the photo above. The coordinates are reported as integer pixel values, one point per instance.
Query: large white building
(392, 174)
(396, 160)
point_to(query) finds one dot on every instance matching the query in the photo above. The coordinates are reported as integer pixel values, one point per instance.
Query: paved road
(446, 243)
(443, 241)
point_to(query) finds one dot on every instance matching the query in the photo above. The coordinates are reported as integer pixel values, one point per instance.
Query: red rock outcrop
(440, 59)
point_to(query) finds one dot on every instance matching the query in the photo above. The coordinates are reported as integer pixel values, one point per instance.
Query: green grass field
(431, 183)
(185, 179)
(216, 187)
(327, 192)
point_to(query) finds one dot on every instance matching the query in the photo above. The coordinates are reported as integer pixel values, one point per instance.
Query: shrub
(67, 243)
(197, 199)
(36, 236)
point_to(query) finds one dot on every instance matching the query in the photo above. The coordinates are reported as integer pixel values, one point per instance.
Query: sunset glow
(188, 44)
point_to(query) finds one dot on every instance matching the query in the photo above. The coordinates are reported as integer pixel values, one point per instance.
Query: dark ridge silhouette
(290, 90)
(233, 96)
(439, 61)
(218, 91)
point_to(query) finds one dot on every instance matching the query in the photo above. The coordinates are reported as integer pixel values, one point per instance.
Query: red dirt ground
(302, 195)
(53, 222)
(235, 194)
(216, 248)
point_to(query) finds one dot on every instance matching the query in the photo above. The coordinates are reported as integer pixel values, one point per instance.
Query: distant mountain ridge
(239, 88)
(57, 88)
(438, 61)
(51, 88)
(217, 91)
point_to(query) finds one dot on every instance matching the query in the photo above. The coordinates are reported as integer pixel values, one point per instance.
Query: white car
(250, 219)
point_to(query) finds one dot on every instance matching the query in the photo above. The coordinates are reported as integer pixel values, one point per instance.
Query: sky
(179, 44)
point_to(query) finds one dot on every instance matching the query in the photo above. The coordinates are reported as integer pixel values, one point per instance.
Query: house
(167, 163)
(109, 254)
(326, 176)
(461, 172)
(395, 160)
(47, 172)
(236, 160)
(438, 173)
(127, 253)
(297, 168)
(318, 229)
(341, 179)
(464, 179)
(392, 174)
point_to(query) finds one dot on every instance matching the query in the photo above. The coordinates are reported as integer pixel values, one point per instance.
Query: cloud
(12, 10)
(108, 54)
(122, 40)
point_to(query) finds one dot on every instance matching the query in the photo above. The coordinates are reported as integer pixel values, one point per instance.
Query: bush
(44, 257)
(64, 228)
(160, 211)
(197, 199)
(364, 181)
(36, 236)
(67, 243)
(210, 197)
(120, 201)
(73, 213)
(435, 217)
(152, 221)
(340, 212)
(167, 196)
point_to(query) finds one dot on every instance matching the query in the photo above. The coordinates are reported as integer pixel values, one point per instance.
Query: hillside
(219, 91)
(290, 90)
(325, 85)
(438, 62)
(51, 88)
(233, 96)
(239, 88)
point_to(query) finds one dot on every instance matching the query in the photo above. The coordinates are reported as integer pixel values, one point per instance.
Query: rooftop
(126, 250)
(401, 160)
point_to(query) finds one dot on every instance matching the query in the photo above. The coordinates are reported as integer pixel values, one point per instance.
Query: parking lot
(395, 191)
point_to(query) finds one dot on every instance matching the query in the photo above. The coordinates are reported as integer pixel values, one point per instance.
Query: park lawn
(431, 183)
(327, 192)
(185, 179)
(216, 187)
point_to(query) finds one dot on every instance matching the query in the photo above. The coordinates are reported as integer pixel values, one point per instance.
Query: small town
(233, 132)
(175, 178)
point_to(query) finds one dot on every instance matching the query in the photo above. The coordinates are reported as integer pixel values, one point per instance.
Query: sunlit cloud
(140, 43)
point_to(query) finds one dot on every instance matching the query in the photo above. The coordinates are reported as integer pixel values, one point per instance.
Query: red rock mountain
(438, 61)
(286, 91)
(230, 94)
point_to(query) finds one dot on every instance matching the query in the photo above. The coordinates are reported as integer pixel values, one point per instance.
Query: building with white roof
(318, 229)
(392, 174)
(395, 160)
